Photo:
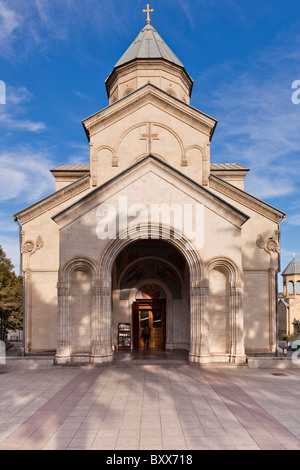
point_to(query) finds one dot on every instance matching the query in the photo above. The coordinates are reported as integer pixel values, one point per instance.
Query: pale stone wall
(218, 312)
(80, 312)
(150, 123)
(40, 264)
(259, 249)
(257, 318)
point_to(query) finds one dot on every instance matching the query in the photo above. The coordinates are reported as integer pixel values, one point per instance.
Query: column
(102, 324)
(27, 310)
(63, 354)
(272, 308)
(169, 325)
(236, 325)
(199, 350)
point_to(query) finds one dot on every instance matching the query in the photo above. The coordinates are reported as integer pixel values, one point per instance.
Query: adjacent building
(289, 301)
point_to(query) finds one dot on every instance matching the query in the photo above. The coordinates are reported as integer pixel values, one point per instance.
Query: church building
(150, 232)
(289, 301)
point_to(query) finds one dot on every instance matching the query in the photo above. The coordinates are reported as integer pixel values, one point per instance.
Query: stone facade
(210, 250)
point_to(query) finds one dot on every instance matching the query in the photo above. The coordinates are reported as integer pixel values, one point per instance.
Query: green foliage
(11, 297)
(285, 337)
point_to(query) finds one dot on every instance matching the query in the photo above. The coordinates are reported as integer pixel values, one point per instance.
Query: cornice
(245, 199)
(153, 64)
(153, 95)
(53, 200)
(193, 189)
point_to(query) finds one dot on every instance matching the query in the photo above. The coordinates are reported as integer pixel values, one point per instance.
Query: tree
(11, 297)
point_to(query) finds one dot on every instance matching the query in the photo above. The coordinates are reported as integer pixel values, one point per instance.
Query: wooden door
(149, 314)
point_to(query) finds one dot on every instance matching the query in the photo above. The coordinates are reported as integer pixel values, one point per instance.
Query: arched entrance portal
(127, 269)
(150, 289)
(190, 307)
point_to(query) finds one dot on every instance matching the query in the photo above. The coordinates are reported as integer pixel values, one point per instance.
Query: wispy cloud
(259, 126)
(80, 153)
(81, 95)
(24, 175)
(10, 122)
(268, 186)
(9, 21)
(185, 7)
(12, 114)
(294, 220)
(10, 245)
(43, 21)
(18, 95)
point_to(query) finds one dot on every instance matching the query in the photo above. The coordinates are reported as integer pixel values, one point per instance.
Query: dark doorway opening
(149, 314)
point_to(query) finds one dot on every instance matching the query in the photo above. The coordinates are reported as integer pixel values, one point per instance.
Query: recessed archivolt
(234, 273)
(185, 161)
(81, 263)
(134, 290)
(197, 147)
(190, 254)
(114, 158)
(144, 258)
(158, 125)
(174, 134)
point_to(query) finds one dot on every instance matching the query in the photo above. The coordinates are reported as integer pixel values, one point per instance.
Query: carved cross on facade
(148, 13)
(149, 137)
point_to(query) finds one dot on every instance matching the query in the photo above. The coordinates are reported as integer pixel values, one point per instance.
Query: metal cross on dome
(148, 13)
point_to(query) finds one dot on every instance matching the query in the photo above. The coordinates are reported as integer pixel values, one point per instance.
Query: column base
(98, 359)
(83, 359)
(242, 359)
(217, 359)
(62, 360)
(193, 359)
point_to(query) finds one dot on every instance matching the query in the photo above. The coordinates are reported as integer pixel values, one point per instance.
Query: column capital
(238, 291)
(63, 289)
(200, 291)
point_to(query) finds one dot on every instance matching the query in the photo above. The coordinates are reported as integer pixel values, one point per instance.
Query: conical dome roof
(149, 45)
(292, 268)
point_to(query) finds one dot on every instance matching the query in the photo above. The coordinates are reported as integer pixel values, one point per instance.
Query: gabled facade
(150, 233)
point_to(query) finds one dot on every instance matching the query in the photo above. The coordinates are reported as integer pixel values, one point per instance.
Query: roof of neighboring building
(149, 45)
(86, 167)
(72, 167)
(292, 268)
(227, 166)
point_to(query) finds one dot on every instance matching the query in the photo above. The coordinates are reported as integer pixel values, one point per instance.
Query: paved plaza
(144, 407)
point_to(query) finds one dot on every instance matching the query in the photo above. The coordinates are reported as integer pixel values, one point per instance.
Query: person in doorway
(146, 335)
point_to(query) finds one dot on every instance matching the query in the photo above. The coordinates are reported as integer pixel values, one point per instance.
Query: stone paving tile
(151, 408)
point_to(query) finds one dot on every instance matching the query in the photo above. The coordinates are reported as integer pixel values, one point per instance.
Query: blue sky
(243, 56)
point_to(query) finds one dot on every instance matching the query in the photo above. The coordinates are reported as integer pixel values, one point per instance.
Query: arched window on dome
(128, 91)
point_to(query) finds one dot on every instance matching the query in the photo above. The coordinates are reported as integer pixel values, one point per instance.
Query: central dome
(149, 60)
